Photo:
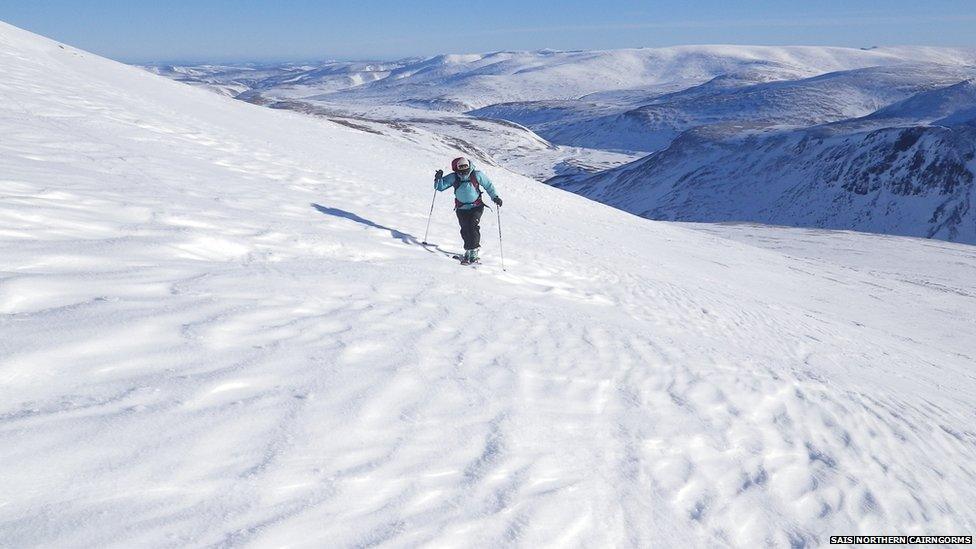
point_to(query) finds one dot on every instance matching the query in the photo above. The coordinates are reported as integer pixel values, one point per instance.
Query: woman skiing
(468, 184)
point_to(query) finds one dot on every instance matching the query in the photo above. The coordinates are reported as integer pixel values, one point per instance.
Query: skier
(467, 183)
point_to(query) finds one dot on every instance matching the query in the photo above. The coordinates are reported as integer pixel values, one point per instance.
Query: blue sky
(239, 30)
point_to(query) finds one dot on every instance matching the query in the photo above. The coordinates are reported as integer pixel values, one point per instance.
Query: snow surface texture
(219, 329)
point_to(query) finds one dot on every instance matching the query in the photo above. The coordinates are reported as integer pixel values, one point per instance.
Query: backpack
(474, 183)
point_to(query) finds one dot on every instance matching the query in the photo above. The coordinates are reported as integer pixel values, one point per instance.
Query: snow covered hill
(463, 82)
(287, 79)
(906, 169)
(219, 328)
(729, 99)
(472, 81)
(492, 142)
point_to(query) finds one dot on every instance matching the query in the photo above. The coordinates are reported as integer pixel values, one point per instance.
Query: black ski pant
(470, 229)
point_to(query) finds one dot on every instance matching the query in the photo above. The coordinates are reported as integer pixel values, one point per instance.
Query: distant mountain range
(751, 98)
(876, 139)
(906, 169)
(461, 83)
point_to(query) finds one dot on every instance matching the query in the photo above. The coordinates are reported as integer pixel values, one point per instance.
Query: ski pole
(431, 214)
(501, 253)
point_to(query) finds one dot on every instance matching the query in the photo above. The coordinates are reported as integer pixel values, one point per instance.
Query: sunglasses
(463, 167)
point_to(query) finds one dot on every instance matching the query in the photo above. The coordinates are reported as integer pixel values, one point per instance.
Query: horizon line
(276, 60)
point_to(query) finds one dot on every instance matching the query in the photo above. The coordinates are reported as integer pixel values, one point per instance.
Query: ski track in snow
(219, 329)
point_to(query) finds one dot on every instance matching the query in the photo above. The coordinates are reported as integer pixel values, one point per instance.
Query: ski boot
(470, 257)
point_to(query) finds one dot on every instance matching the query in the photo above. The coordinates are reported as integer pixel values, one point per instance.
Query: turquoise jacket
(465, 192)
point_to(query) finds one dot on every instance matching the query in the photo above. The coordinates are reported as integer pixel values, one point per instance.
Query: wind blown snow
(219, 328)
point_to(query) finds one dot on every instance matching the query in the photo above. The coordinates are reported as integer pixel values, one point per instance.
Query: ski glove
(439, 174)
(497, 200)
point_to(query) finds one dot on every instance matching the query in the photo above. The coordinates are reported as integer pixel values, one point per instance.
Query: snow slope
(491, 142)
(219, 329)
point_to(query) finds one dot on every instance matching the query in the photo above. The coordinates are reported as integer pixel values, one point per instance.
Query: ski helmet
(460, 164)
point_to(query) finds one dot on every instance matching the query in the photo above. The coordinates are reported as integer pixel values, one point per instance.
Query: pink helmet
(460, 163)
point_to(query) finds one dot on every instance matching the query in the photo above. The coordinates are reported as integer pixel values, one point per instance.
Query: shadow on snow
(406, 238)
